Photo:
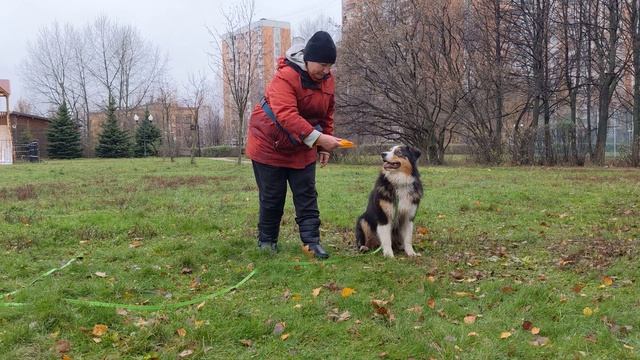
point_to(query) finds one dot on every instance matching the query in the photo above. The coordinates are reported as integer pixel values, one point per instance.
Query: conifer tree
(113, 142)
(147, 137)
(63, 136)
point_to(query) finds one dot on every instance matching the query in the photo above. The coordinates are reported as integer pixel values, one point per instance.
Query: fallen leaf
(587, 311)
(284, 336)
(335, 315)
(185, 353)
(97, 340)
(463, 294)
(297, 306)
(470, 319)
(473, 333)
(577, 288)
(201, 305)
(526, 325)
(431, 303)
(122, 312)
(416, 309)
(539, 341)
(507, 290)
(246, 342)
(307, 251)
(62, 346)
(422, 230)
(100, 274)
(346, 292)
(296, 297)
(135, 244)
(286, 295)
(186, 270)
(628, 347)
(332, 286)
(279, 328)
(99, 329)
(535, 330)
(198, 323)
(504, 334)
(457, 274)
(316, 292)
(66, 357)
(380, 308)
(431, 279)
(591, 338)
(607, 280)
(181, 332)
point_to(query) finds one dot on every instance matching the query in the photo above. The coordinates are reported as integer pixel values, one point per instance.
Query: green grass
(506, 244)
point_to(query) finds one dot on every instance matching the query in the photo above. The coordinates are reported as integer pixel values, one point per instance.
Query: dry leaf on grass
(346, 292)
(431, 303)
(246, 342)
(539, 341)
(337, 316)
(186, 353)
(181, 332)
(279, 328)
(535, 330)
(587, 311)
(99, 329)
(135, 244)
(505, 334)
(607, 280)
(62, 346)
(284, 336)
(100, 274)
(470, 319)
(316, 292)
(526, 325)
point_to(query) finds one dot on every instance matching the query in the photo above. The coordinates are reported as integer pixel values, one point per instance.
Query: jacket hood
(295, 54)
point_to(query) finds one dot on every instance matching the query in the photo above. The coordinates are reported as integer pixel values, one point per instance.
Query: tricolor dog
(393, 202)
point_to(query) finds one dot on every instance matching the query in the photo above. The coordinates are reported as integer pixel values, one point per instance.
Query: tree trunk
(240, 135)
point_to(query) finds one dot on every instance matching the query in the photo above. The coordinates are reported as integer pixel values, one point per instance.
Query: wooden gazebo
(6, 143)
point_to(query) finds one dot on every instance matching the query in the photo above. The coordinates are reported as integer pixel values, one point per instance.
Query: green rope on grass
(197, 300)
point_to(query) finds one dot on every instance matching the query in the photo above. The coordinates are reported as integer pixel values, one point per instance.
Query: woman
(288, 131)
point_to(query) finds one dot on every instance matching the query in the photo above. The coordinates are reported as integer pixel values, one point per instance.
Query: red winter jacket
(299, 104)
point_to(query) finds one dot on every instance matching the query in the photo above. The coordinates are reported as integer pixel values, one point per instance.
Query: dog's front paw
(387, 253)
(413, 253)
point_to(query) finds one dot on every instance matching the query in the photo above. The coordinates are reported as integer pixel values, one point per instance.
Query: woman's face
(317, 71)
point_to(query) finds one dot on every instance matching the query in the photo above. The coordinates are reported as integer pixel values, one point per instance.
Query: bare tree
(572, 14)
(310, 26)
(405, 83)
(196, 92)
(608, 67)
(167, 96)
(82, 68)
(486, 78)
(236, 62)
(633, 26)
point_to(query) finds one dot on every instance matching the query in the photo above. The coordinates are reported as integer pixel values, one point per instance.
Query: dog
(393, 202)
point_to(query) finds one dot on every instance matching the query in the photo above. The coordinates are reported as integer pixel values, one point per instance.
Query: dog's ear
(416, 152)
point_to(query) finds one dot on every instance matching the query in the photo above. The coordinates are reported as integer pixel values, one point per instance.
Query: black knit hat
(320, 48)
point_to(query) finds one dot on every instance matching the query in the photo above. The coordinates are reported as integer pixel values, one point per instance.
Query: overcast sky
(177, 27)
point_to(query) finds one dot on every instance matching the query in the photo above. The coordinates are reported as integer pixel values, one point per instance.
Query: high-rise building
(271, 39)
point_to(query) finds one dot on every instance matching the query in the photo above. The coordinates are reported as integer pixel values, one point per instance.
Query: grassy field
(506, 253)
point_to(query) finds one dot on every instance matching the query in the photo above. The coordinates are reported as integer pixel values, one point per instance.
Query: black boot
(317, 250)
(310, 236)
(268, 246)
(268, 240)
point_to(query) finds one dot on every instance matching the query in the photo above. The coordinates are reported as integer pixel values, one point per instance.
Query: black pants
(272, 187)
